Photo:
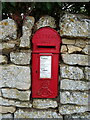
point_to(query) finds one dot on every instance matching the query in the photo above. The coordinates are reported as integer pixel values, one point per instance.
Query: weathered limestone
(72, 49)
(79, 98)
(28, 24)
(46, 21)
(15, 76)
(87, 73)
(8, 29)
(71, 72)
(8, 109)
(37, 114)
(75, 59)
(7, 116)
(67, 84)
(80, 43)
(0, 93)
(16, 94)
(25, 41)
(74, 26)
(22, 57)
(16, 103)
(27, 30)
(7, 46)
(68, 41)
(86, 50)
(0, 116)
(44, 103)
(70, 109)
(3, 59)
(81, 116)
(63, 49)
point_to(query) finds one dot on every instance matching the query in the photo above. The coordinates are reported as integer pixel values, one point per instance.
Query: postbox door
(45, 75)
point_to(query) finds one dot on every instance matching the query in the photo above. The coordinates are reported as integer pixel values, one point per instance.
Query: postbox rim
(47, 27)
(46, 36)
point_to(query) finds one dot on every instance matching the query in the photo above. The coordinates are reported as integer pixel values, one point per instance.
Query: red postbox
(45, 59)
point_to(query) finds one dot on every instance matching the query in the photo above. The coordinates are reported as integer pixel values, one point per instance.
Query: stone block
(7, 116)
(27, 31)
(46, 21)
(6, 46)
(0, 93)
(16, 94)
(25, 41)
(28, 25)
(79, 98)
(8, 109)
(71, 72)
(74, 25)
(86, 50)
(80, 116)
(37, 114)
(80, 43)
(70, 109)
(15, 103)
(22, 57)
(67, 84)
(87, 73)
(8, 29)
(75, 59)
(68, 41)
(44, 103)
(72, 49)
(15, 77)
(63, 49)
(3, 59)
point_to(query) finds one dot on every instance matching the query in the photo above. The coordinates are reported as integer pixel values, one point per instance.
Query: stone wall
(74, 73)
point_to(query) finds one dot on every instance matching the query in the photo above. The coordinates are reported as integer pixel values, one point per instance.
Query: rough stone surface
(68, 41)
(63, 49)
(37, 114)
(46, 21)
(8, 29)
(72, 49)
(27, 30)
(8, 109)
(67, 84)
(71, 72)
(16, 103)
(25, 41)
(22, 57)
(0, 93)
(44, 103)
(6, 46)
(74, 26)
(0, 116)
(75, 59)
(80, 43)
(79, 98)
(16, 94)
(7, 116)
(81, 116)
(15, 76)
(28, 25)
(87, 73)
(86, 50)
(3, 59)
(70, 109)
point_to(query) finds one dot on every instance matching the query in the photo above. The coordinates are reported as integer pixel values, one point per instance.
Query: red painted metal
(45, 42)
